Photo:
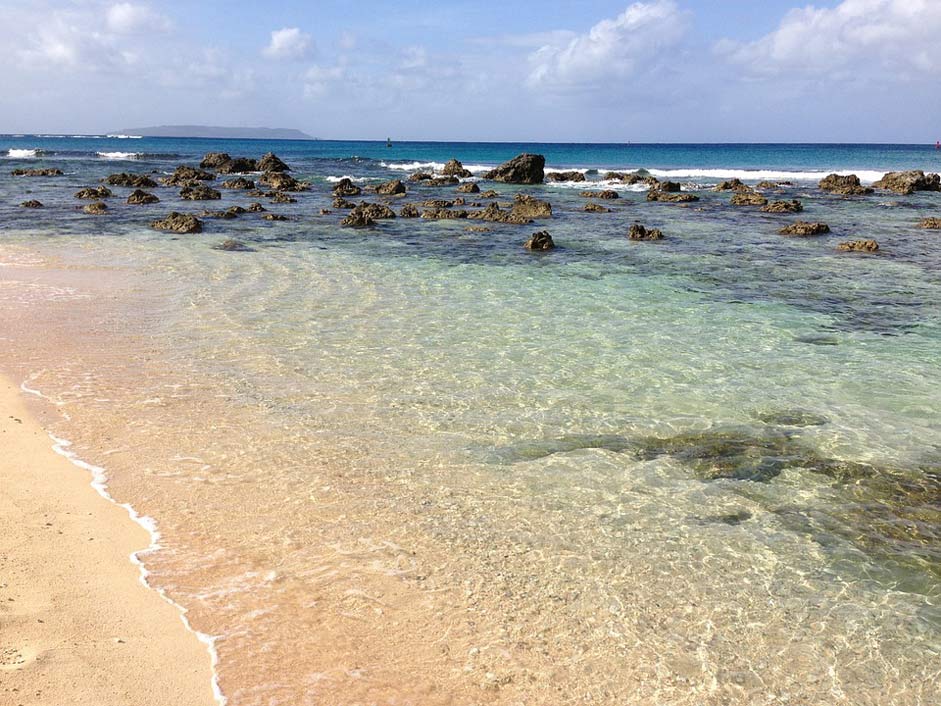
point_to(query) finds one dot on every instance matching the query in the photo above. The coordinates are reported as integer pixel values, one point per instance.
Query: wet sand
(77, 625)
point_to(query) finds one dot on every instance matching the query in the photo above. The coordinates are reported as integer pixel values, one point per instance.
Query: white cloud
(613, 48)
(861, 36)
(130, 18)
(288, 43)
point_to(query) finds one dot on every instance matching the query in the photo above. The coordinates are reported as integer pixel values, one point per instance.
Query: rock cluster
(270, 162)
(131, 181)
(607, 194)
(748, 198)
(199, 192)
(859, 246)
(639, 232)
(593, 207)
(98, 208)
(187, 176)
(232, 245)
(565, 176)
(844, 185)
(525, 206)
(46, 172)
(732, 185)
(93, 192)
(930, 223)
(909, 182)
(792, 206)
(392, 188)
(139, 197)
(345, 187)
(32, 203)
(279, 181)
(238, 183)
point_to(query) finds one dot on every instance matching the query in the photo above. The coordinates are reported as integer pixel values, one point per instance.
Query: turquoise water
(721, 450)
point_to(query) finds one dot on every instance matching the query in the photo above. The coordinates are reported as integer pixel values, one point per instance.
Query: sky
(517, 70)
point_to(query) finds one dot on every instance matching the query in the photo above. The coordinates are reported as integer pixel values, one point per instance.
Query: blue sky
(596, 70)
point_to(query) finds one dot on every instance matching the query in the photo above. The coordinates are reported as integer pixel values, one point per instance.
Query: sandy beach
(77, 625)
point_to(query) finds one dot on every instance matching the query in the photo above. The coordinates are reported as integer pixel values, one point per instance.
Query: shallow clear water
(419, 464)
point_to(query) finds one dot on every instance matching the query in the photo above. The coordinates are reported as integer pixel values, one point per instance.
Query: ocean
(420, 464)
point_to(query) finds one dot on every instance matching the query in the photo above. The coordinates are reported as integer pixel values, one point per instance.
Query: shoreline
(80, 624)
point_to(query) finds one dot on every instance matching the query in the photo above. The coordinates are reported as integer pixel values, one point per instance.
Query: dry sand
(77, 625)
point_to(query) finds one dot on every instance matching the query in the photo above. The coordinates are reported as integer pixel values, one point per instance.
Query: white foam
(612, 184)
(865, 175)
(119, 155)
(22, 154)
(335, 179)
(412, 166)
(99, 483)
(126, 137)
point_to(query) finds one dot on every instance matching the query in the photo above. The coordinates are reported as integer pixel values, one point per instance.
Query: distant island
(213, 131)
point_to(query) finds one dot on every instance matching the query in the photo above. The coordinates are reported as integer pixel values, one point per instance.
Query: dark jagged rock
(632, 178)
(421, 176)
(237, 210)
(565, 176)
(357, 218)
(456, 169)
(766, 185)
(238, 165)
(593, 207)
(469, 188)
(283, 182)
(732, 185)
(441, 214)
(274, 217)
(930, 223)
(792, 206)
(199, 193)
(493, 213)
(375, 211)
(393, 187)
(139, 197)
(525, 207)
(437, 203)
(93, 192)
(232, 245)
(342, 203)
(669, 187)
(442, 181)
(748, 198)
(606, 194)
(179, 223)
(214, 160)
(225, 215)
(540, 241)
(859, 246)
(45, 172)
(489, 194)
(522, 169)
(280, 197)
(131, 181)
(639, 232)
(844, 185)
(32, 203)
(671, 196)
(345, 187)
(804, 229)
(187, 176)
(271, 163)
(238, 183)
(909, 182)
(256, 208)
(98, 208)
(409, 210)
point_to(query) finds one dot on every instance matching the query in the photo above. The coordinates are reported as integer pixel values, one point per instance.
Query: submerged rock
(792, 206)
(493, 213)
(639, 232)
(375, 211)
(139, 197)
(357, 219)
(909, 182)
(748, 198)
(274, 217)
(930, 223)
(593, 207)
(469, 188)
(456, 169)
(136, 181)
(732, 185)
(280, 197)
(256, 208)
(187, 176)
(393, 187)
(541, 241)
(443, 214)
(671, 197)
(793, 418)
(270, 162)
(522, 169)
(844, 185)
(409, 210)
(43, 172)
(342, 203)
(32, 203)
(98, 208)
(232, 245)
(525, 206)
(858, 246)
(421, 176)
(489, 194)
(93, 192)
(199, 193)
(179, 223)
(345, 187)
(803, 228)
